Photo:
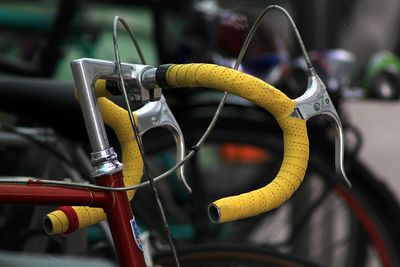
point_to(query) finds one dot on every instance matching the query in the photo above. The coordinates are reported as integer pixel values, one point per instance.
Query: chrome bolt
(154, 119)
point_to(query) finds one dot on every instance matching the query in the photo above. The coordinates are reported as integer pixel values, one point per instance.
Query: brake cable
(135, 128)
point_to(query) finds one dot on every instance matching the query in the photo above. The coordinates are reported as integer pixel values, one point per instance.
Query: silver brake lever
(316, 101)
(157, 114)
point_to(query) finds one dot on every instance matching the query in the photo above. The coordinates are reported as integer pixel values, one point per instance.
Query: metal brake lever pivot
(316, 101)
(157, 114)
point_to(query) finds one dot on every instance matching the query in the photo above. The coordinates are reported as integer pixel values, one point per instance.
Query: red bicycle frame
(115, 205)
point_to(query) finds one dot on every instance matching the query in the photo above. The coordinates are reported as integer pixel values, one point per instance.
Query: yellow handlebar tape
(106, 88)
(100, 88)
(296, 145)
(69, 219)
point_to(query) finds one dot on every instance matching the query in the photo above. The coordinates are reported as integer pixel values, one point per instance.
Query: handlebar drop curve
(296, 144)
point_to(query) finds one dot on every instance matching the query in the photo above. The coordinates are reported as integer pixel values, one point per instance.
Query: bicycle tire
(230, 255)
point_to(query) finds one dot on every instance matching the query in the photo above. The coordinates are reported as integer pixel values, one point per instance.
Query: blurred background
(40, 38)
(354, 44)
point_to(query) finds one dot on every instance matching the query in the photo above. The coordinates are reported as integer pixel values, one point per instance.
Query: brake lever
(158, 114)
(316, 101)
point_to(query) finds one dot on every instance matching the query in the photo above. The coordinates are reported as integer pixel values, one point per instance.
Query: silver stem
(83, 78)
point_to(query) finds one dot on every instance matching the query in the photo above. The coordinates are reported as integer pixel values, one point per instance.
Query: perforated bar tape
(296, 145)
(69, 219)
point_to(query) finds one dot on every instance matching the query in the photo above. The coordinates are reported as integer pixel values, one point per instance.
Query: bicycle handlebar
(296, 145)
(288, 179)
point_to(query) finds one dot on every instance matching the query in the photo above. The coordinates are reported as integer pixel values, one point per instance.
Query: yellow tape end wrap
(296, 144)
(117, 118)
(56, 222)
(69, 219)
